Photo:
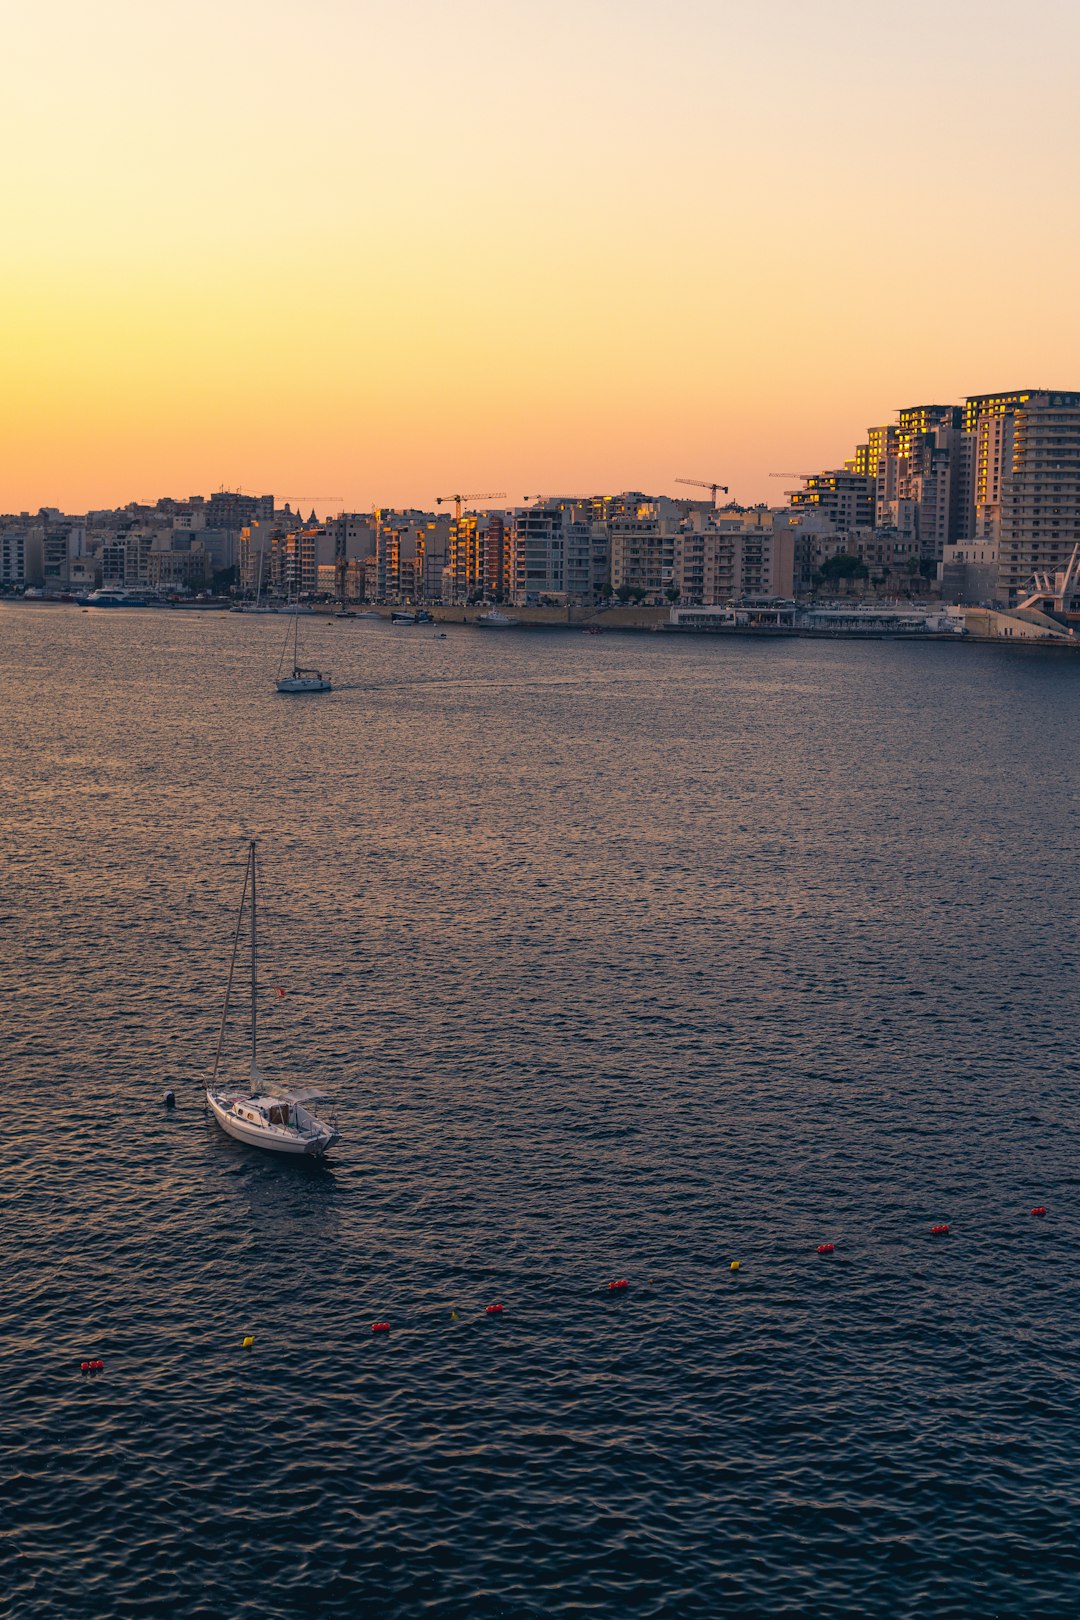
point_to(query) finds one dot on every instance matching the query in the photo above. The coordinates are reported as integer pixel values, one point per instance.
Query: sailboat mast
(254, 970)
(232, 970)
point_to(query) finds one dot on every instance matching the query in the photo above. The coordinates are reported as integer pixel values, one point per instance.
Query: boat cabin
(263, 1111)
(286, 1113)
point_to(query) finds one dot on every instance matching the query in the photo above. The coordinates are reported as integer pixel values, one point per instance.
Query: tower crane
(700, 483)
(459, 500)
(592, 497)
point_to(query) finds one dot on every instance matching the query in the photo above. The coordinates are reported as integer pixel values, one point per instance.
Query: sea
(630, 957)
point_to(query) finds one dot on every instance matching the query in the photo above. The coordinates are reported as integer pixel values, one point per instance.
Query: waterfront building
(352, 535)
(255, 553)
(63, 543)
(397, 536)
(969, 572)
(279, 560)
(734, 561)
(643, 551)
(1039, 523)
(189, 567)
(538, 553)
(477, 558)
(13, 556)
(295, 565)
(125, 560)
(964, 489)
(349, 539)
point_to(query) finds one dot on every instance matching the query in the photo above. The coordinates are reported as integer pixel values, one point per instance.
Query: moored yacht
(280, 1120)
(301, 679)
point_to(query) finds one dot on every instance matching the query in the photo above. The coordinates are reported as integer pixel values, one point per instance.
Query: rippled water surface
(622, 956)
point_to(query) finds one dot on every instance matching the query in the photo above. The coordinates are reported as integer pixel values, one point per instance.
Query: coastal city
(956, 518)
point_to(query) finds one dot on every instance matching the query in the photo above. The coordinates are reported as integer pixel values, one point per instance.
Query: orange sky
(368, 253)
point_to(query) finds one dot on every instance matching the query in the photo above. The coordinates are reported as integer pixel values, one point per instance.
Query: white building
(13, 557)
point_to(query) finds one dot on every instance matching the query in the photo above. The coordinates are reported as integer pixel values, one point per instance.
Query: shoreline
(605, 621)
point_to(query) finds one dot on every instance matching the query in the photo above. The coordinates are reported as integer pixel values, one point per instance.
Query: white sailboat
(301, 680)
(281, 1121)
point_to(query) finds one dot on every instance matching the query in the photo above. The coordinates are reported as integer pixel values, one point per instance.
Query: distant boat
(411, 616)
(301, 680)
(118, 596)
(496, 620)
(279, 1121)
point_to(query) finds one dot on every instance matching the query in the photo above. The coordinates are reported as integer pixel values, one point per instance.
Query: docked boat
(496, 620)
(118, 596)
(281, 1121)
(301, 680)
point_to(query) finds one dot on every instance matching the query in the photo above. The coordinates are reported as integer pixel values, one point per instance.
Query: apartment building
(844, 498)
(734, 563)
(1039, 522)
(538, 553)
(478, 557)
(125, 559)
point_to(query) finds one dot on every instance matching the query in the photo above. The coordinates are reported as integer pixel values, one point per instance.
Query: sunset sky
(360, 252)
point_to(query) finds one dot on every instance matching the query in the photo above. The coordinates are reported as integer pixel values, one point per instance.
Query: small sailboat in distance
(301, 680)
(281, 1121)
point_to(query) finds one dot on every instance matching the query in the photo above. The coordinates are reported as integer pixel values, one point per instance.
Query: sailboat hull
(296, 684)
(271, 1138)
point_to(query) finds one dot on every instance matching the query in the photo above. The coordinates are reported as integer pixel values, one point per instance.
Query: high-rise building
(13, 556)
(477, 557)
(1039, 491)
(538, 552)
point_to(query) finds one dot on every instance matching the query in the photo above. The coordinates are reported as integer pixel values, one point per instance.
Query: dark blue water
(622, 957)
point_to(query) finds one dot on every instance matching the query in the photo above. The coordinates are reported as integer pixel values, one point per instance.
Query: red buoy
(99, 1366)
(380, 1327)
(1040, 1209)
(493, 1310)
(84, 1366)
(826, 1248)
(618, 1285)
(940, 1231)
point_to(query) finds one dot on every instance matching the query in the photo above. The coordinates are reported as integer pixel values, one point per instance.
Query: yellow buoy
(734, 1265)
(453, 1316)
(248, 1342)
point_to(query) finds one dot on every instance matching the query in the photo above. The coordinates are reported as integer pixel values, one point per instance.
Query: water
(624, 957)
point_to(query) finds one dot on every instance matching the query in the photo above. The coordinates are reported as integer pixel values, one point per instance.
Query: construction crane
(699, 483)
(591, 496)
(459, 500)
(291, 497)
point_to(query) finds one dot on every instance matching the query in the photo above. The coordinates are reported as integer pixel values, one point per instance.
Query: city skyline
(386, 258)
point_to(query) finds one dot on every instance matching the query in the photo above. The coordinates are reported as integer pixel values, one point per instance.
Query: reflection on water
(621, 957)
